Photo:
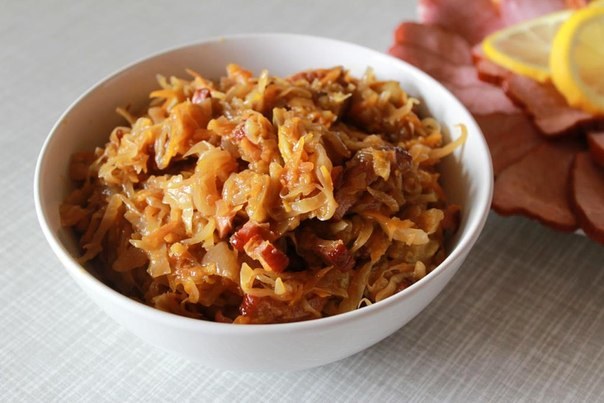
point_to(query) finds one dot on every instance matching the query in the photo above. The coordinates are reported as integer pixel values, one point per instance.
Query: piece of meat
(359, 174)
(424, 46)
(248, 231)
(595, 141)
(538, 185)
(509, 136)
(588, 195)
(256, 241)
(330, 252)
(487, 70)
(546, 105)
(443, 43)
(515, 11)
(483, 99)
(462, 80)
(334, 253)
(490, 72)
(436, 65)
(472, 20)
(268, 255)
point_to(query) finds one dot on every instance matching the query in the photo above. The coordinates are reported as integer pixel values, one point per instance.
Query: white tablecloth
(522, 320)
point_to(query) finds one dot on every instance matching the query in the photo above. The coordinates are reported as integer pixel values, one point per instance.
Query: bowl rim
(79, 273)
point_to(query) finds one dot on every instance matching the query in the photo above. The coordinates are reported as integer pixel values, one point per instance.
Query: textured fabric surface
(522, 320)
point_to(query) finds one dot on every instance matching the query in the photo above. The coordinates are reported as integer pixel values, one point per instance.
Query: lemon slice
(577, 60)
(525, 48)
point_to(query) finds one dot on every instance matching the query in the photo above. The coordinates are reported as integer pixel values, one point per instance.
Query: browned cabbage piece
(264, 199)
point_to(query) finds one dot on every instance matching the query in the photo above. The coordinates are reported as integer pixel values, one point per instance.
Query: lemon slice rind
(494, 46)
(565, 73)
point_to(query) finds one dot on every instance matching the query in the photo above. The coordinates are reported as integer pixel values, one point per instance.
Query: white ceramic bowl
(467, 176)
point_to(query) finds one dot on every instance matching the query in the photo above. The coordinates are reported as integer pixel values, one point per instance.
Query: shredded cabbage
(265, 199)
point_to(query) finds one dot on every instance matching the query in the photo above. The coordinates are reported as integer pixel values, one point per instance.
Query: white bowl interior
(467, 174)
